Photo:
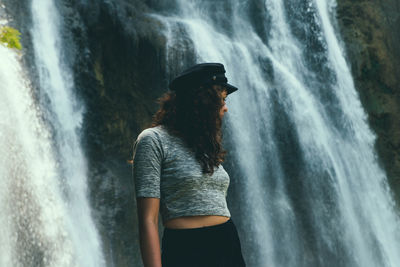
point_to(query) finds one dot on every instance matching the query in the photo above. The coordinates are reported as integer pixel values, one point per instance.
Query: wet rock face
(120, 80)
(370, 32)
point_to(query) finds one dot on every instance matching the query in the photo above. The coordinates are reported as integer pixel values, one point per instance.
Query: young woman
(178, 172)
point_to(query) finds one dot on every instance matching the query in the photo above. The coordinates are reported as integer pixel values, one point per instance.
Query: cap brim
(230, 88)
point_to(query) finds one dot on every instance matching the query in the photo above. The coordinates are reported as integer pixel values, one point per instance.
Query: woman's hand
(148, 231)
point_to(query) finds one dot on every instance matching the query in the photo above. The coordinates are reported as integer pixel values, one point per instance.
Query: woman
(178, 171)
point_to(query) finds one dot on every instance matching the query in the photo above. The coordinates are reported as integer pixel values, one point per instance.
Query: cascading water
(45, 217)
(56, 83)
(309, 190)
(33, 219)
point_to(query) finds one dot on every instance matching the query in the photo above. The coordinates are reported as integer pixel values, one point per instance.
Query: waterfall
(46, 220)
(33, 218)
(308, 187)
(57, 95)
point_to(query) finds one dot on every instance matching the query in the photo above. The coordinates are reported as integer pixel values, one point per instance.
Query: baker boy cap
(202, 74)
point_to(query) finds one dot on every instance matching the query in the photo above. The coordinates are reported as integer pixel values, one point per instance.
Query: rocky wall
(370, 31)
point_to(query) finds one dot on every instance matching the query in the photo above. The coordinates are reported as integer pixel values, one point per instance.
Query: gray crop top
(164, 167)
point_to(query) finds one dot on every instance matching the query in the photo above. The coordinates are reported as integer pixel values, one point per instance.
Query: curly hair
(194, 115)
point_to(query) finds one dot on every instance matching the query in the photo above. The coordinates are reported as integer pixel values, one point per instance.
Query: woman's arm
(148, 231)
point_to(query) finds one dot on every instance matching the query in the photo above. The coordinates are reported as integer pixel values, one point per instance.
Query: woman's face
(224, 107)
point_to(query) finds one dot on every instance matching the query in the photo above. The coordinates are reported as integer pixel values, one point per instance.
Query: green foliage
(10, 37)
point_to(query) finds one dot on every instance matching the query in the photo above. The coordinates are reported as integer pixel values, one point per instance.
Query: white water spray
(32, 221)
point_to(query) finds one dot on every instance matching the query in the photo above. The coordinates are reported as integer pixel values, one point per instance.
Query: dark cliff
(370, 30)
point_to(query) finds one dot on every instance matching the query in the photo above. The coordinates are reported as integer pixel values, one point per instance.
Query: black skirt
(211, 246)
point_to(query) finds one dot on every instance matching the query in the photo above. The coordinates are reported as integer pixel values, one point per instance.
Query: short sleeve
(147, 160)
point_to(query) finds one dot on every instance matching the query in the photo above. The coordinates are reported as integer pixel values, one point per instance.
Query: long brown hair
(194, 115)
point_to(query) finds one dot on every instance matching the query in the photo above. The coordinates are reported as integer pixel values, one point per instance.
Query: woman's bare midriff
(195, 221)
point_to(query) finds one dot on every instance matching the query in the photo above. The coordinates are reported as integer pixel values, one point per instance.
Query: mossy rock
(10, 37)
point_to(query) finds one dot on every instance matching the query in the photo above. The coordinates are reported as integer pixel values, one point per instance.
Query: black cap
(202, 74)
